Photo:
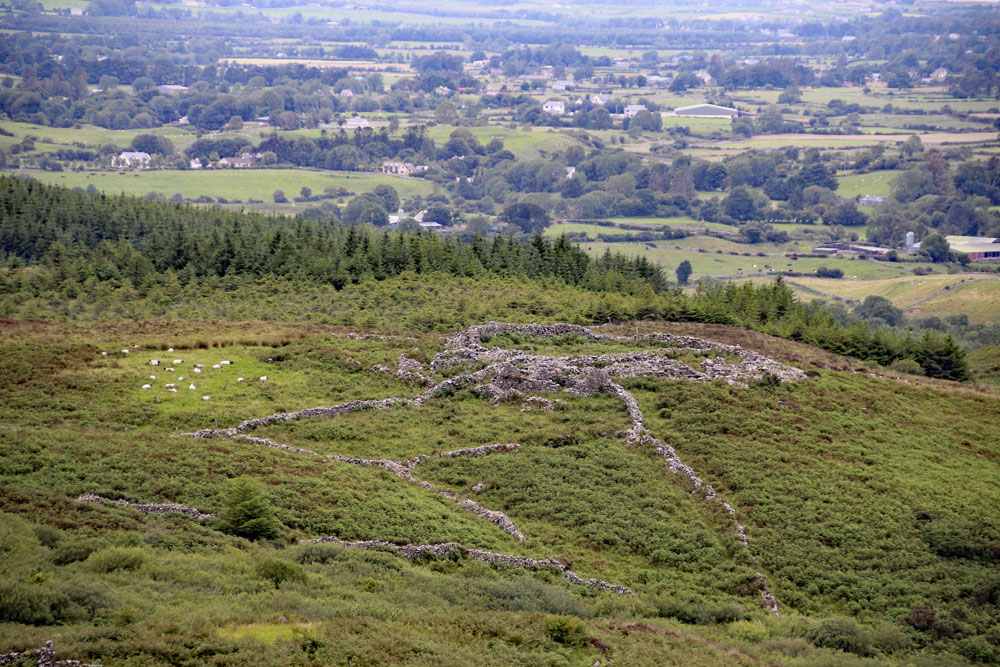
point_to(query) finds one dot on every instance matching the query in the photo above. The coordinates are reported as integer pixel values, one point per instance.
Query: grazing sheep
(104, 354)
(178, 362)
(147, 386)
(240, 379)
(197, 370)
(170, 369)
(263, 378)
(192, 387)
(170, 349)
(126, 351)
(227, 362)
(206, 397)
(216, 366)
(173, 389)
(152, 377)
(170, 385)
(199, 365)
(154, 362)
(180, 379)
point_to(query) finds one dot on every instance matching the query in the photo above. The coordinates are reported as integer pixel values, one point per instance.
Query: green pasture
(231, 184)
(94, 136)
(715, 264)
(872, 183)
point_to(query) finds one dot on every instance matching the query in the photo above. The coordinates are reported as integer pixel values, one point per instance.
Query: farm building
(131, 160)
(356, 123)
(554, 107)
(632, 109)
(708, 111)
(401, 168)
(979, 249)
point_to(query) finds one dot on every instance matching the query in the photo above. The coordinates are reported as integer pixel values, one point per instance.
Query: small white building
(707, 111)
(131, 160)
(632, 109)
(356, 123)
(600, 98)
(554, 107)
(346, 92)
(195, 164)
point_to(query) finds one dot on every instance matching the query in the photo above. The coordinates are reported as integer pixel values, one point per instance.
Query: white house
(554, 107)
(346, 92)
(195, 163)
(131, 160)
(600, 98)
(632, 109)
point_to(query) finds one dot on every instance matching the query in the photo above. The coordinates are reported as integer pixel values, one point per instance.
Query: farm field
(230, 184)
(712, 264)
(872, 183)
(94, 136)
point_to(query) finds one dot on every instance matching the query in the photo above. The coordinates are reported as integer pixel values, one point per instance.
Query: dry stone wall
(147, 508)
(447, 549)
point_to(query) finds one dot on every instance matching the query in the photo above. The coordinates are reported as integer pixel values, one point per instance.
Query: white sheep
(152, 377)
(173, 389)
(178, 362)
(104, 354)
(263, 378)
(170, 385)
(180, 379)
(240, 379)
(192, 387)
(197, 370)
(199, 365)
(147, 386)
(206, 397)
(154, 362)
(126, 351)
(170, 349)
(170, 369)
(216, 366)
(227, 362)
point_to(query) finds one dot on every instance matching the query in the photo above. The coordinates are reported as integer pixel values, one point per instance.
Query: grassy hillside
(847, 484)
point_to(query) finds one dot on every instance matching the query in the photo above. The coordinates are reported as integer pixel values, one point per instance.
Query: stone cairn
(509, 374)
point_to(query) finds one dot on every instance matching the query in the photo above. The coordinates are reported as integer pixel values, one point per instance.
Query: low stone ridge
(447, 549)
(147, 508)
(332, 411)
(407, 369)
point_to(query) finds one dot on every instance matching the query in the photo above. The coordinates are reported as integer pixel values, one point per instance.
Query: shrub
(31, 604)
(322, 552)
(116, 558)
(246, 511)
(73, 551)
(843, 634)
(890, 638)
(278, 571)
(566, 630)
(907, 366)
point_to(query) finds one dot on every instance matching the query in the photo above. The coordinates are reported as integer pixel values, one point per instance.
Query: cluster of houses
(558, 108)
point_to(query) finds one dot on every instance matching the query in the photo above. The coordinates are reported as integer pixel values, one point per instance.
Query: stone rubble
(43, 657)
(447, 549)
(407, 369)
(147, 508)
